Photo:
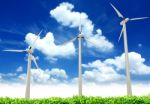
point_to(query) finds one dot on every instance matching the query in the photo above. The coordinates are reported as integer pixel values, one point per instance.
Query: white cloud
(22, 77)
(65, 15)
(108, 70)
(0, 76)
(8, 75)
(136, 63)
(98, 72)
(100, 42)
(19, 69)
(39, 76)
(60, 73)
(48, 47)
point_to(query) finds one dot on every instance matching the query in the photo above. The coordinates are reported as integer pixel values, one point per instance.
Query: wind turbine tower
(80, 37)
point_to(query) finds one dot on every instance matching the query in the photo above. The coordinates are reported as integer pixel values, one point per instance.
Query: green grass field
(79, 100)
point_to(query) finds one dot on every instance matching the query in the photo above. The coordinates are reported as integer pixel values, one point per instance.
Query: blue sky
(21, 20)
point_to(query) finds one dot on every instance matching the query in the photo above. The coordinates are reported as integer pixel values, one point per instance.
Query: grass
(79, 100)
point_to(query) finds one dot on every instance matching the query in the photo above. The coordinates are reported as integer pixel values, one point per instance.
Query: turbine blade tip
(111, 4)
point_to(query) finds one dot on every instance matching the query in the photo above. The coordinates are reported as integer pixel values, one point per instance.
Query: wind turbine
(31, 58)
(124, 32)
(79, 37)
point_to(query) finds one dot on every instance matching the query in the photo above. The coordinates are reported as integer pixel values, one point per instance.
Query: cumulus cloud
(7, 75)
(108, 70)
(0, 76)
(99, 41)
(65, 15)
(48, 47)
(136, 63)
(60, 73)
(19, 69)
(39, 76)
(98, 72)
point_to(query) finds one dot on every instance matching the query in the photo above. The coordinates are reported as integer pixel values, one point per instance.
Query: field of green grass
(79, 100)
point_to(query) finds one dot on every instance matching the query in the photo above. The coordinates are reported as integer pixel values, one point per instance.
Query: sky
(103, 66)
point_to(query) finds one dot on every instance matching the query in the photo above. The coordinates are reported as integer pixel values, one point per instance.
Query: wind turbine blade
(36, 38)
(117, 11)
(121, 34)
(91, 42)
(15, 50)
(132, 19)
(72, 40)
(34, 60)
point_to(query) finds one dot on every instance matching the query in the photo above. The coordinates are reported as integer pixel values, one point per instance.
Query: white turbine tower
(124, 32)
(80, 37)
(29, 51)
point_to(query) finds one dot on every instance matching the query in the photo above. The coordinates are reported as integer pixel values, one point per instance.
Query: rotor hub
(30, 51)
(124, 21)
(80, 36)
